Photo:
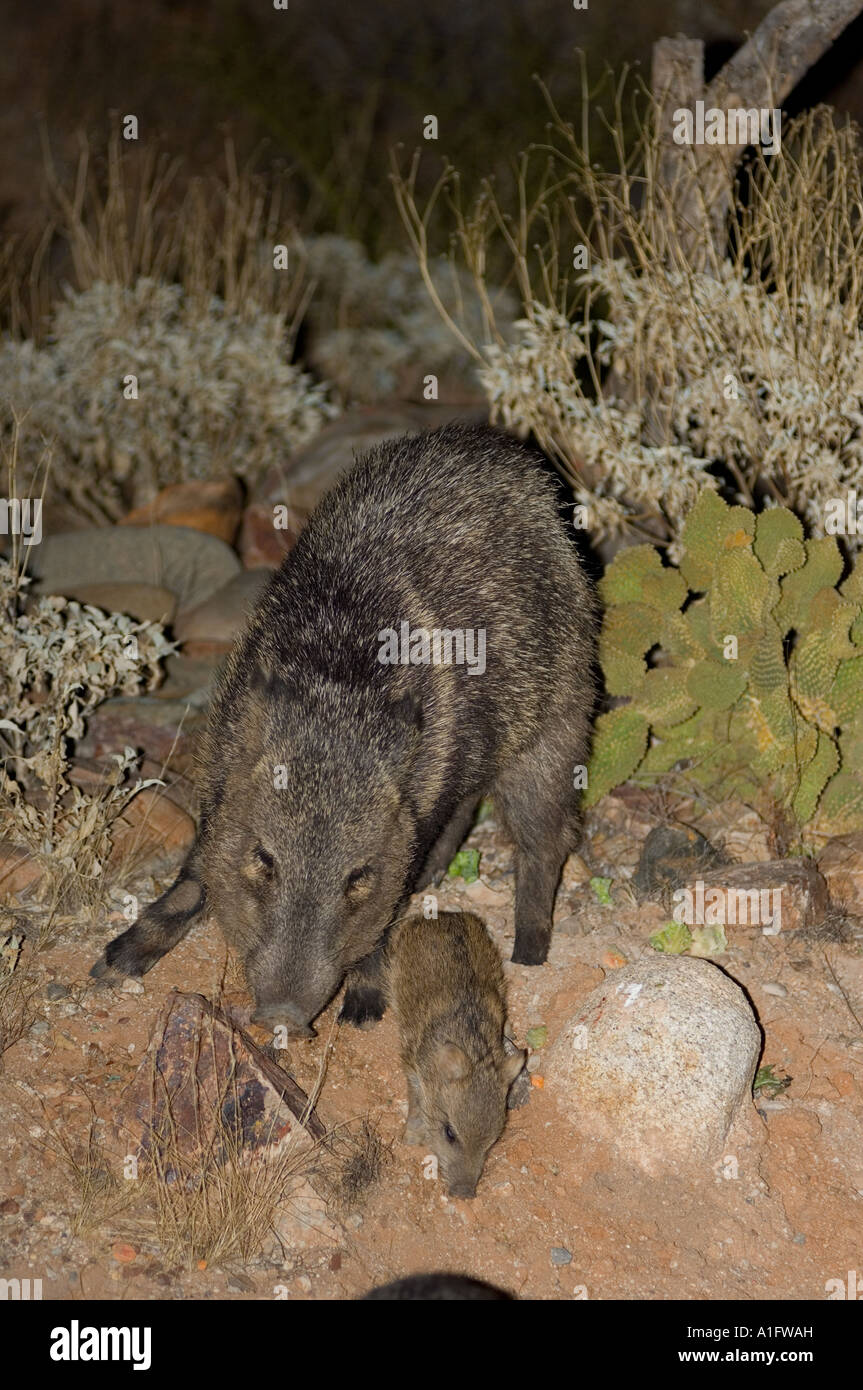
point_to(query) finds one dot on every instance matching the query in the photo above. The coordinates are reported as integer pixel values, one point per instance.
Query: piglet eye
(449, 1134)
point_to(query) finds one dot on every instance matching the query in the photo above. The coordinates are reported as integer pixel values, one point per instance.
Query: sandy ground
(778, 1218)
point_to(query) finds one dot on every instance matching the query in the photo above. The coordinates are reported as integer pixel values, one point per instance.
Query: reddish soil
(780, 1216)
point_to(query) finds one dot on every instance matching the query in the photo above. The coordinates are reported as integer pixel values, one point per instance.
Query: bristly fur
(446, 987)
(382, 765)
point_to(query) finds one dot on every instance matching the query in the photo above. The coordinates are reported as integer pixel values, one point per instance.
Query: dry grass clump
(351, 1162)
(647, 370)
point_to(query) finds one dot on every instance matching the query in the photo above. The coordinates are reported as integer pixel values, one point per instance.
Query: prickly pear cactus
(755, 688)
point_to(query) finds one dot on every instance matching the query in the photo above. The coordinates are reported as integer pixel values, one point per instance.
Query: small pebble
(355, 1220)
(40, 1026)
(560, 1255)
(772, 987)
(132, 987)
(56, 990)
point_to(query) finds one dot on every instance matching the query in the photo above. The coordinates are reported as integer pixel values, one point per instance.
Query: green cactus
(759, 689)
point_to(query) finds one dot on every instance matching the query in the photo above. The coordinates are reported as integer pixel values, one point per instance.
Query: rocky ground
(560, 1212)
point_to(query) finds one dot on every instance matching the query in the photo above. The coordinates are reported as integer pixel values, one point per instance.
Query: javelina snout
(285, 1014)
(445, 983)
(300, 891)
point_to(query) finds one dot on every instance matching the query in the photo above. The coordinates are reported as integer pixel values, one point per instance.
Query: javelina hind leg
(364, 1002)
(159, 928)
(448, 843)
(538, 804)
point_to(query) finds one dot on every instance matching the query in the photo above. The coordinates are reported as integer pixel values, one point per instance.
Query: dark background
(327, 87)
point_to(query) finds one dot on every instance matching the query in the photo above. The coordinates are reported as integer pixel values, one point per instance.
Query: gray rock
(189, 563)
(658, 1060)
(560, 1255)
(221, 616)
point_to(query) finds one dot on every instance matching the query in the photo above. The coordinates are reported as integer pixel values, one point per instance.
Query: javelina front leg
(159, 928)
(365, 1002)
(448, 843)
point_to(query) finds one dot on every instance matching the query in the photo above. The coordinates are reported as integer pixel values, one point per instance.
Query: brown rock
(782, 895)
(264, 540)
(733, 827)
(151, 827)
(213, 507)
(841, 863)
(165, 730)
(220, 617)
(207, 1085)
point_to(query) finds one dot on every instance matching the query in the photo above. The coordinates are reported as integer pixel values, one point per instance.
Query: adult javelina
(333, 783)
(445, 983)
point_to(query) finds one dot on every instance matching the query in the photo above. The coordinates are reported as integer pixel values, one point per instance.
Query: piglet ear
(511, 1066)
(451, 1062)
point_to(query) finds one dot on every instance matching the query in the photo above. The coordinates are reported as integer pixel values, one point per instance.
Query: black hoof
(124, 957)
(530, 950)
(362, 1006)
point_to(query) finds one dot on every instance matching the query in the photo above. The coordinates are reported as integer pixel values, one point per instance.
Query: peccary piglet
(429, 640)
(446, 987)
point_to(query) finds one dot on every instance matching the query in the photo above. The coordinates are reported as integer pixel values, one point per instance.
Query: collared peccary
(445, 983)
(341, 770)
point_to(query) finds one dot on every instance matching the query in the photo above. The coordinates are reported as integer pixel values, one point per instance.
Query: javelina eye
(359, 884)
(259, 868)
(264, 859)
(450, 1134)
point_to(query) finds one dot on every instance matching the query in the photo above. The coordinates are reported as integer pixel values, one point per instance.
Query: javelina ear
(408, 709)
(265, 677)
(451, 1062)
(511, 1066)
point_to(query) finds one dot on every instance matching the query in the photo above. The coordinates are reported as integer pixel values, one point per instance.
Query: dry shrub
(172, 282)
(58, 660)
(652, 371)
(372, 329)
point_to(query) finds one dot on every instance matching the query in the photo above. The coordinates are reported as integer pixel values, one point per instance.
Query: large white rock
(658, 1060)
